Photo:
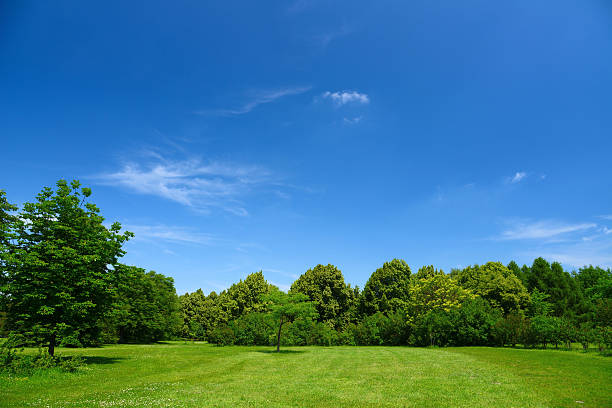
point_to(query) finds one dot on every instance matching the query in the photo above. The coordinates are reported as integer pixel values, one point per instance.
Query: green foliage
(14, 361)
(434, 291)
(380, 329)
(286, 308)
(145, 307)
(222, 335)
(248, 294)
(333, 299)
(564, 293)
(495, 283)
(56, 280)
(387, 289)
(510, 330)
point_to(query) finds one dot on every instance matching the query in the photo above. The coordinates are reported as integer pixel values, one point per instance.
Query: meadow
(180, 374)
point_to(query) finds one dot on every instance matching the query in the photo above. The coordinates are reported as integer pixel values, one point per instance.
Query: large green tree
(146, 307)
(564, 292)
(325, 287)
(435, 292)
(248, 293)
(387, 289)
(495, 283)
(57, 280)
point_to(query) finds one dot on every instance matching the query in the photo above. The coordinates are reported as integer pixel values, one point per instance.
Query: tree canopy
(495, 283)
(388, 288)
(325, 287)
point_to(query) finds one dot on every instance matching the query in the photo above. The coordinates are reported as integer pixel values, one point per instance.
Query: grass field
(200, 375)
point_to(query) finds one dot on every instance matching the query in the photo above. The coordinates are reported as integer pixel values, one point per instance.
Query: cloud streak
(259, 98)
(543, 230)
(192, 182)
(172, 234)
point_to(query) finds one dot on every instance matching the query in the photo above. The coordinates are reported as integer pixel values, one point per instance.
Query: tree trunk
(280, 326)
(52, 345)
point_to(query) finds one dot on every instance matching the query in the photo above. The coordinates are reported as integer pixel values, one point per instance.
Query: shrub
(222, 336)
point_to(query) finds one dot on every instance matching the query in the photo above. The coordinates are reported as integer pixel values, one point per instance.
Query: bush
(253, 329)
(14, 361)
(222, 336)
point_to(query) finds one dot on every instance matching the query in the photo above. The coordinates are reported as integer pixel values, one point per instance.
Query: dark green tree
(325, 287)
(387, 290)
(146, 307)
(564, 293)
(57, 281)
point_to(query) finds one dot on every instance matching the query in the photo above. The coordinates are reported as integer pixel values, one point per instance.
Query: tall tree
(146, 307)
(248, 293)
(57, 279)
(325, 287)
(496, 284)
(388, 288)
(551, 279)
(435, 292)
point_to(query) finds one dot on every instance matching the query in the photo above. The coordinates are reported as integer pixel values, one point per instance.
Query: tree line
(490, 304)
(61, 283)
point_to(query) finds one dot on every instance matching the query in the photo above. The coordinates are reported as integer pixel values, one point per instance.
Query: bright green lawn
(200, 375)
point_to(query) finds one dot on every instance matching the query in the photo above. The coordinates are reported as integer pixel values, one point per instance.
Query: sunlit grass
(200, 375)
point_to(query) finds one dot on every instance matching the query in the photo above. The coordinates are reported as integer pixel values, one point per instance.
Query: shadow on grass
(101, 360)
(281, 351)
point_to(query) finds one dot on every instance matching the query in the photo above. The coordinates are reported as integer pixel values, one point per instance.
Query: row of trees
(61, 282)
(489, 304)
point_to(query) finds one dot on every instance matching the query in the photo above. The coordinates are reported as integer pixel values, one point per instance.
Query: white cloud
(346, 97)
(606, 217)
(353, 121)
(543, 230)
(173, 234)
(518, 176)
(191, 182)
(258, 98)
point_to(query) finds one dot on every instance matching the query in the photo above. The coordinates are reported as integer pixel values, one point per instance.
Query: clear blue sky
(238, 136)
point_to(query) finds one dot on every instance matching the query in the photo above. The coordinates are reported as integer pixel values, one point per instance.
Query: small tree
(286, 308)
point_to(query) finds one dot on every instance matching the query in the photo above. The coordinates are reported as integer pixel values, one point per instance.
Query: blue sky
(238, 136)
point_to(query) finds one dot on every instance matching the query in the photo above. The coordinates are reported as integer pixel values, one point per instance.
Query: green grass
(200, 375)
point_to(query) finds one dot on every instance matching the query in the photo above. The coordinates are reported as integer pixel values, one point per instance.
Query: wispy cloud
(543, 230)
(191, 182)
(172, 234)
(299, 6)
(518, 176)
(346, 97)
(353, 121)
(326, 38)
(257, 98)
(606, 217)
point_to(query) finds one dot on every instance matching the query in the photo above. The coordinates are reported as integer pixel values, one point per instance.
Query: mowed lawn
(200, 375)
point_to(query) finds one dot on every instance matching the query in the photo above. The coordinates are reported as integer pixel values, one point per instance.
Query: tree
(146, 307)
(435, 291)
(387, 289)
(565, 295)
(286, 308)
(248, 293)
(57, 280)
(495, 283)
(325, 287)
